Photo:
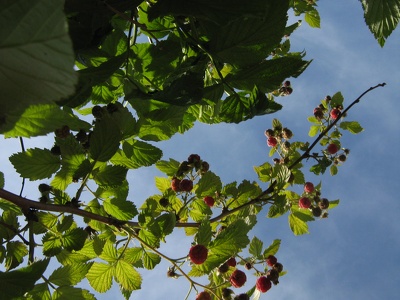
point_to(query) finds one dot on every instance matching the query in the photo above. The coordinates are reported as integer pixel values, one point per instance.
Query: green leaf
(314, 129)
(337, 100)
(382, 17)
(312, 18)
(272, 249)
(204, 234)
(42, 119)
(109, 252)
(333, 203)
(168, 167)
(16, 251)
(74, 239)
(297, 225)
(264, 172)
(120, 209)
(150, 260)
(100, 276)
(137, 154)
(43, 44)
(162, 183)
(353, 127)
(127, 276)
(208, 184)
(255, 247)
(35, 163)
(51, 244)
(333, 170)
(70, 274)
(104, 141)
(110, 175)
(16, 283)
(69, 292)
(39, 292)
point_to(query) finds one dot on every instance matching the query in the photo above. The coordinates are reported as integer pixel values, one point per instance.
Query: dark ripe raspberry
(186, 185)
(175, 184)
(335, 113)
(286, 83)
(342, 157)
(198, 254)
(263, 284)
(324, 203)
(269, 132)
(288, 90)
(286, 145)
(56, 150)
(43, 188)
(308, 187)
(332, 148)
(318, 113)
(272, 142)
(164, 202)
(278, 267)
(193, 158)
(328, 98)
(273, 275)
(209, 201)
(203, 296)
(111, 108)
(346, 151)
(62, 132)
(238, 278)
(204, 167)
(231, 262)
(316, 211)
(223, 268)
(242, 297)
(304, 202)
(287, 133)
(97, 112)
(271, 260)
(183, 169)
(248, 265)
(81, 136)
(226, 293)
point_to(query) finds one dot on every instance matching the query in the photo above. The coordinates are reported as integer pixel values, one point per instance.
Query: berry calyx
(209, 201)
(175, 184)
(335, 113)
(238, 278)
(304, 202)
(231, 262)
(332, 148)
(271, 260)
(308, 187)
(263, 284)
(203, 296)
(272, 142)
(186, 185)
(198, 254)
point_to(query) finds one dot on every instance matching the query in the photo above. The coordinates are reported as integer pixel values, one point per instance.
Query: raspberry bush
(106, 85)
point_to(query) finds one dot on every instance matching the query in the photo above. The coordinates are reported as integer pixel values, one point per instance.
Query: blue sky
(355, 253)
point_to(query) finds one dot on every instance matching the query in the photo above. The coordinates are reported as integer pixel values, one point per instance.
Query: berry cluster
(286, 89)
(311, 200)
(186, 168)
(278, 135)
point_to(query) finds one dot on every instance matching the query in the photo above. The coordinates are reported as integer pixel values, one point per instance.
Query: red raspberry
(271, 260)
(238, 278)
(332, 148)
(263, 284)
(271, 141)
(203, 296)
(335, 113)
(304, 202)
(198, 254)
(231, 262)
(209, 201)
(186, 185)
(175, 183)
(309, 187)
